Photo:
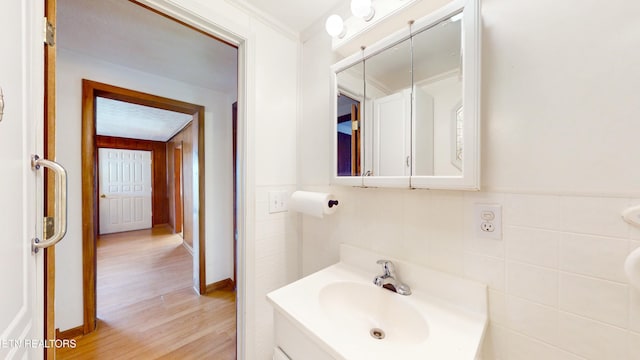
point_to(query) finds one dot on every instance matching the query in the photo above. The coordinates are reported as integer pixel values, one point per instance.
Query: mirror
(414, 118)
(437, 76)
(388, 89)
(349, 103)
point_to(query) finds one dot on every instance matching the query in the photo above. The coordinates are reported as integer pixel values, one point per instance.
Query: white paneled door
(125, 190)
(21, 190)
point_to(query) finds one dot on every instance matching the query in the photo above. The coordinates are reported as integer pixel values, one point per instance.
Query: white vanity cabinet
(294, 343)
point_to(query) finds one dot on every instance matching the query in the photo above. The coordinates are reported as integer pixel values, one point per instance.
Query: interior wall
(71, 69)
(447, 95)
(160, 208)
(558, 117)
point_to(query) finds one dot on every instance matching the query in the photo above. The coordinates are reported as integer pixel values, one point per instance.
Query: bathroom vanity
(338, 313)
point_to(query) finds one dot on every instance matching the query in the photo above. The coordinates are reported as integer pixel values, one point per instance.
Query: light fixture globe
(335, 26)
(362, 9)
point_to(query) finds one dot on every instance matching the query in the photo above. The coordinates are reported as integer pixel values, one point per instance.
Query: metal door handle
(103, 196)
(60, 226)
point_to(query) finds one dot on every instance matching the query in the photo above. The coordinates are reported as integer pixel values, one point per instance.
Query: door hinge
(49, 34)
(49, 227)
(355, 125)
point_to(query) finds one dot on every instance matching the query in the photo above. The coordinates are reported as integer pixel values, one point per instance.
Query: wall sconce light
(363, 9)
(335, 26)
(359, 8)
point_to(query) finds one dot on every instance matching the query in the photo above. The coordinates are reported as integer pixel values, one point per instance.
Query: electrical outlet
(487, 227)
(277, 201)
(488, 221)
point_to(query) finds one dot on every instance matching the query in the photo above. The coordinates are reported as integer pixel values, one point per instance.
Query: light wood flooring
(147, 308)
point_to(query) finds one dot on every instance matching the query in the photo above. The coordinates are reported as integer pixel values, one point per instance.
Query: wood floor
(147, 308)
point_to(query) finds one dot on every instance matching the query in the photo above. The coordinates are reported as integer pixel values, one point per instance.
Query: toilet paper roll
(313, 203)
(632, 268)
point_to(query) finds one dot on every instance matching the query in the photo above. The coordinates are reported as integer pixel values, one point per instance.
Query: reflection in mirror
(349, 120)
(437, 60)
(388, 89)
(457, 121)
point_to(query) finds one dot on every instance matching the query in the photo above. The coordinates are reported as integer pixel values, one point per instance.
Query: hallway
(147, 308)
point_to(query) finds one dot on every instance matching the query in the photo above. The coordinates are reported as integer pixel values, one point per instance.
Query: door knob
(103, 196)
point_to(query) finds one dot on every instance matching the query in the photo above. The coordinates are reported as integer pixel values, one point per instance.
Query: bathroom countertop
(455, 327)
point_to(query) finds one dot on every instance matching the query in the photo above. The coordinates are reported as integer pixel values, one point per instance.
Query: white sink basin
(338, 313)
(365, 311)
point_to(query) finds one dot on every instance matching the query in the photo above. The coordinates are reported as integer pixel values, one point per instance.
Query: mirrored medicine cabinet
(407, 107)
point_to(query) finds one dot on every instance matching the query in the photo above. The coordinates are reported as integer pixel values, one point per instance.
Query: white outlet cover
(485, 214)
(277, 201)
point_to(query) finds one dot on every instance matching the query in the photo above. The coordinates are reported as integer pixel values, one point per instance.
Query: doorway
(90, 214)
(90, 221)
(348, 134)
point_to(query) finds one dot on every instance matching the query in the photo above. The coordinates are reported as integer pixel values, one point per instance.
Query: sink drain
(377, 333)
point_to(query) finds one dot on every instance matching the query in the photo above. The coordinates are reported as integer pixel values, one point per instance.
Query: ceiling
(127, 120)
(297, 15)
(126, 34)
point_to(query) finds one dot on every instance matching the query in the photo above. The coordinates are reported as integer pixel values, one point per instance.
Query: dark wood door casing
(91, 90)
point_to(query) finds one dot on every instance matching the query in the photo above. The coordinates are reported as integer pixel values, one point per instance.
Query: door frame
(178, 192)
(50, 12)
(91, 90)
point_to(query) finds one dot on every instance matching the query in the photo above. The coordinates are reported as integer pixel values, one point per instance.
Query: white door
(392, 134)
(125, 190)
(21, 189)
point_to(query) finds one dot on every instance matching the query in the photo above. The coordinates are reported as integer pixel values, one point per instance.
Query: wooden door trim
(234, 142)
(91, 90)
(178, 193)
(50, 10)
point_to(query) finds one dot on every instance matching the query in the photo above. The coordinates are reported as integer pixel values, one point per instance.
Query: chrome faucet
(389, 280)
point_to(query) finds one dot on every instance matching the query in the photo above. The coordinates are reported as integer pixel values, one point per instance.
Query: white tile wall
(534, 283)
(634, 346)
(557, 288)
(533, 320)
(594, 298)
(495, 342)
(592, 339)
(522, 347)
(533, 246)
(276, 262)
(634, 312)
(594, 256)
